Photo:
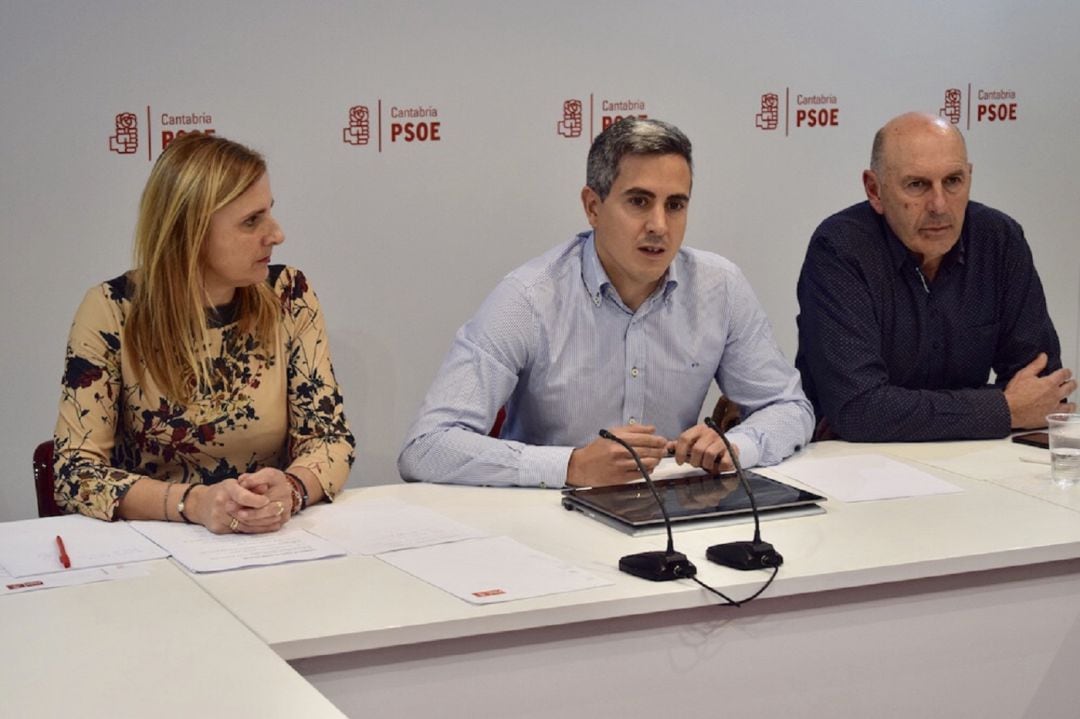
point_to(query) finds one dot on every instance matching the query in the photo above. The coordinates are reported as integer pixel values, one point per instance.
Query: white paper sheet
(198, 549)
(71, 577)
(382, 525)
(492, 569)
(668, 469)
(28, 546)
(864, 477)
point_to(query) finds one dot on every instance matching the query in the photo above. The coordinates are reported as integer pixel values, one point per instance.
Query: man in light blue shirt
(620, 328)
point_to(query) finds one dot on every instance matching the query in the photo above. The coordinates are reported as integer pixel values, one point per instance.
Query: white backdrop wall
(403, 240)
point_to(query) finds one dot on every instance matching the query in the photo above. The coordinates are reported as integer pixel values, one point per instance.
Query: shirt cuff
(543, 466)
(749, 454)
(1000, 418)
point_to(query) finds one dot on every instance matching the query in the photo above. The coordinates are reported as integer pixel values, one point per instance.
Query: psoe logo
(769, 117)
(952, 105)
(359, 130)
(571, 123)
(126, 139)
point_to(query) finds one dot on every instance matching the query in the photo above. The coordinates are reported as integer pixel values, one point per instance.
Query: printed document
(382, 525)
(200, 550)
(491, 569)
(28, 546)
(864, 477)
(69, 578)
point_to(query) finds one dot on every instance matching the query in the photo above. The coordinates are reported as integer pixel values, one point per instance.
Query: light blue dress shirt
(556, 346)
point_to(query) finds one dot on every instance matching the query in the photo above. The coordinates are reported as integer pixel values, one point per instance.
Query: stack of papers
(28, 547)
(98, 551)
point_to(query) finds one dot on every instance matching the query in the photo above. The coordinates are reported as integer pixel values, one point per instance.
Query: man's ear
(590, 202)
(873, 191)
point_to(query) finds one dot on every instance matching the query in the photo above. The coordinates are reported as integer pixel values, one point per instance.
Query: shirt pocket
(679, 373)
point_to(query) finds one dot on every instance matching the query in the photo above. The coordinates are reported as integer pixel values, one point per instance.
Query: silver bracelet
(165, 502)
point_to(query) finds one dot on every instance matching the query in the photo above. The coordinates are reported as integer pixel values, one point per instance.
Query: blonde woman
(198, 387)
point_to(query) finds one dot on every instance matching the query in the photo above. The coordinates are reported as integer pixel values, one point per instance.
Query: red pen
(64, 558)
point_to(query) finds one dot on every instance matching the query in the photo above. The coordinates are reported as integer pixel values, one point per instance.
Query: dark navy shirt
(887, 355)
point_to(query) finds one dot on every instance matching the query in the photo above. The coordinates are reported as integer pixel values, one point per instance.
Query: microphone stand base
(658, 566)
(745, 555)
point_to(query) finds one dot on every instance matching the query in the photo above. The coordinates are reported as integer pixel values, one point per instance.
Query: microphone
(743, 555)
(655, 566)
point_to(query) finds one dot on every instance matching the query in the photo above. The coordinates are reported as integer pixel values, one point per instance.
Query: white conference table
(953, 605)
(1019, 468)
(153, 646)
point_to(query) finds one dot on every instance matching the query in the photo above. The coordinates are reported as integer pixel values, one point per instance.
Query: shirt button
(634, 372)
(633, 420)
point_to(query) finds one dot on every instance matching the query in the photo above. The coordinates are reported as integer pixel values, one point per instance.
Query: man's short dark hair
(631, 136)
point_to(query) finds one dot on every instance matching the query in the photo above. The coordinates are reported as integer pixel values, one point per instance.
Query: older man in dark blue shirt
(909, 300)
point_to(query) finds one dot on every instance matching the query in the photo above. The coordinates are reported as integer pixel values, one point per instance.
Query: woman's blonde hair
(166, 331)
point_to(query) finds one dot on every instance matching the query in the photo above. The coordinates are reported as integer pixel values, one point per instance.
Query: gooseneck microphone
(655, 566)
(743, 555)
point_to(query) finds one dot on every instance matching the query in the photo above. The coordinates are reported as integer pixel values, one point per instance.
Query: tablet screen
(689, 498)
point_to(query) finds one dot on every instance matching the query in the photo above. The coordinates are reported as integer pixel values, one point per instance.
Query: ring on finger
(234, 524)
(280, 508)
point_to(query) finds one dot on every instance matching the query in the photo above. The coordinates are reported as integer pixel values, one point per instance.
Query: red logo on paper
(359, 130)
(489, 593)
(952, 106)
(570, 125)
(769, 117)
(126, 139)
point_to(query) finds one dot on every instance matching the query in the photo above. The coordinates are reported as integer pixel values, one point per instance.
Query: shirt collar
(596, 278)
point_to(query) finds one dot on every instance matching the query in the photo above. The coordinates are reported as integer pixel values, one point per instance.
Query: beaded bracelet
(296, 499)
(300, 494)
(183, 502)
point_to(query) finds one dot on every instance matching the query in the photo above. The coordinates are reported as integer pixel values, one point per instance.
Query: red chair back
(500, 419)
(43, 480)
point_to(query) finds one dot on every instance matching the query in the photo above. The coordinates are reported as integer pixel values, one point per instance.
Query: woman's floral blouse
(279, 409)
